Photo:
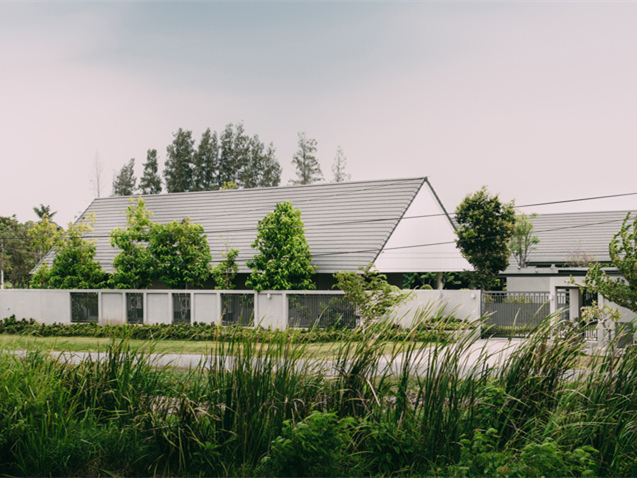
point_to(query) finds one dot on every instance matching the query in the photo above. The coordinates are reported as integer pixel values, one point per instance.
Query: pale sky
(538, 101)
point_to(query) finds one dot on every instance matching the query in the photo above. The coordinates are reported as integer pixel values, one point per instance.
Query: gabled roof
(565, 234)
(347, 224)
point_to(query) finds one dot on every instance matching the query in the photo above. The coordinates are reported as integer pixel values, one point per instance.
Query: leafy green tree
(485, 227)
(308, 169)
(133, 264)
(150, 183)
(178, 170)
(17, 257)
(180, 253)
(74, 265)
(370, 293)
(43, 236)
(43, 211)
(523, 240)
(124, 182)
(284, 261)
(224, 273)
(338, 168)
(623, 254)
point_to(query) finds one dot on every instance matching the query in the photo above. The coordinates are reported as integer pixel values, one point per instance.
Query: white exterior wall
(423, 223)
(463, 304)
(271, 307)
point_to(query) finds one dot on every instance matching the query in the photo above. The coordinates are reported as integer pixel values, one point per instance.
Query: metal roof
(566, 234)
(347, 224)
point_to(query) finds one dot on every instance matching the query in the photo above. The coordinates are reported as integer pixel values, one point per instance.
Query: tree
(338, 168)
(523, 240)
(43, 236)
(150, 183)
(124, 183)
(16, 254)
(308, 169)
(133, 264)
(97, 176)
(245, 160)
(370, 293)
(623, 254)
(180, 254)
(224, 273)
(485, 227)
(284, 261)
(261, 169)
(74, 265)
(43, 211)
(206, 162)
(178, 171)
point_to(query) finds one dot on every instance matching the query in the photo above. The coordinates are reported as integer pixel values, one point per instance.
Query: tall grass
(261, 407)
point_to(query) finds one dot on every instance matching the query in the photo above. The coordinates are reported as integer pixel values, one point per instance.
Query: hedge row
(199, 331)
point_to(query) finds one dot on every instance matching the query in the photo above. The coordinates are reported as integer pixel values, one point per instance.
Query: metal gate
(513, 314)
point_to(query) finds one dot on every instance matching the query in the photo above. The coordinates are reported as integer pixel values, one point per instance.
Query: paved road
(493, 350)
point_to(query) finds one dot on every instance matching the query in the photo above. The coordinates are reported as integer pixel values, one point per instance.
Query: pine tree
(124, 182)
(206, 162)
(262, 169)
(178, 172)
(308, 169)
(151, 181)
(338, 168)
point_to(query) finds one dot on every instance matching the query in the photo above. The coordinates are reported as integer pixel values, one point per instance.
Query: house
(569, 242)
(399, 224)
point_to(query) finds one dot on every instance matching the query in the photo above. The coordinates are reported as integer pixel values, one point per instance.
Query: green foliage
(150, 183)
(133, 264)
(370, 293)
(43, 211)
(284, 261)
(43, 235)
(229, 157)
(17, 255)
(623, 254)
(523, 240)
(258, 407)
(485, 227)
(224, 273)
(314, 447)
(178, 168)
(124, 183)
(180, 252)
(74, 265)
(308, 169)
(427, 280)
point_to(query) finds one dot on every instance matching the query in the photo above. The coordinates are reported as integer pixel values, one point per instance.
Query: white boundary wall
(270, 307)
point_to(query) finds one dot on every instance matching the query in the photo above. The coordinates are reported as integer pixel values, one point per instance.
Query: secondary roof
(566, 236)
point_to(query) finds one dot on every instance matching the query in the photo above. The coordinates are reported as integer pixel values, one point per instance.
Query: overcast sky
(535, 100)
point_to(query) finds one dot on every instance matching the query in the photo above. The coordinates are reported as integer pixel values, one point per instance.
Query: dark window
(135, 308)
(181, 308)
(84, 307)
(237, 309)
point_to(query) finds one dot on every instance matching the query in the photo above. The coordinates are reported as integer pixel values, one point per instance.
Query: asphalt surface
(489, 352)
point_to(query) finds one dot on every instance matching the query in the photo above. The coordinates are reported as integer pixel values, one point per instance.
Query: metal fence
(514, 313)
(237, 309)
(181, 308)
(84, 307)
(320, 310)
(134, 308)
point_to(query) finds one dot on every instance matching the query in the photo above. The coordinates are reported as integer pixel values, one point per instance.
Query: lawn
(325, 350)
